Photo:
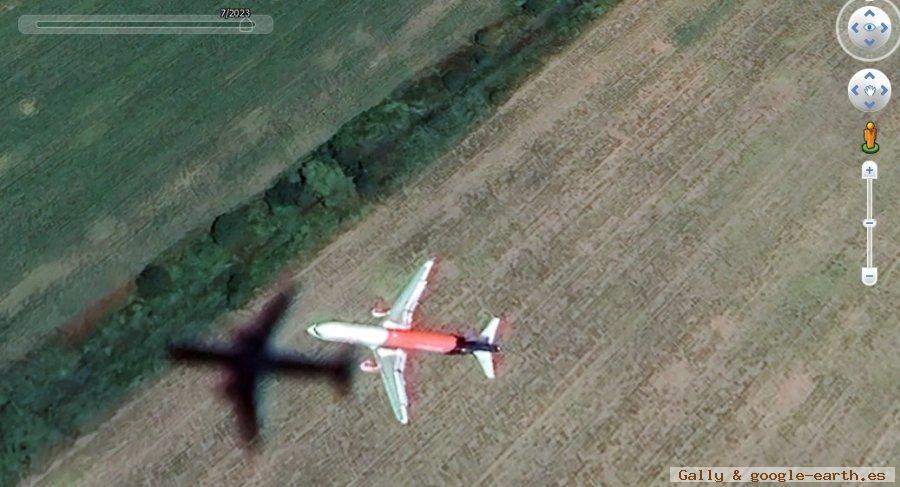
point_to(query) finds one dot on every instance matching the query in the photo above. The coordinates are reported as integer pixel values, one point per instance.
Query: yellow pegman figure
(871, 133)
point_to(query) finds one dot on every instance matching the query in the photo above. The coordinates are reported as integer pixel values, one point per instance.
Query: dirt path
(673, 227)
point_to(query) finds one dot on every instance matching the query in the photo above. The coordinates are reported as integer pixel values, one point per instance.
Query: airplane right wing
(391, 363)
(401, 313)
(257, 332)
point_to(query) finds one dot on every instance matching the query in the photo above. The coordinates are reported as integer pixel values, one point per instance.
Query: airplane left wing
(242, 395)
(391, 363)
(401, 314)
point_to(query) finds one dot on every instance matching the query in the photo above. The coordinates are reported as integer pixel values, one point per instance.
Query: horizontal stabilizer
(490, 331)
(486, 358)
(486, 361)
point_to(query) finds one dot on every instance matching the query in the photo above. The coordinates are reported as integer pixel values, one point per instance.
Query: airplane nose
(312, 331)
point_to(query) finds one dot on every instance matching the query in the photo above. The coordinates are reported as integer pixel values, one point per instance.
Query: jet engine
(368, 366)
(380, 311)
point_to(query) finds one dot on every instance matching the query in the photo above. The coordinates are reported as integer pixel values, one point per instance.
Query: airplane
(395, 336)
(248, 358)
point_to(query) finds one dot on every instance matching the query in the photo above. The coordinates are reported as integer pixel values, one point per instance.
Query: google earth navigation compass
(870, 27)
(865, 29)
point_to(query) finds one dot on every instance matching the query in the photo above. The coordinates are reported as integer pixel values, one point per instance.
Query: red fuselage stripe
(428, 341)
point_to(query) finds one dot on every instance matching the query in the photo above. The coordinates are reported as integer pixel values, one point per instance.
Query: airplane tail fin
(485, 358)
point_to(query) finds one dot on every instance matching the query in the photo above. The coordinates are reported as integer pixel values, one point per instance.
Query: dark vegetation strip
(65, 388)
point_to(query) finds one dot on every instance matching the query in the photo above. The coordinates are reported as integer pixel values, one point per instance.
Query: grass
(694, 29)
(98, 132)
(63, 390)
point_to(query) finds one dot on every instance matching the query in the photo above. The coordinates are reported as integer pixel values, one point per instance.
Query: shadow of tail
(341, 372)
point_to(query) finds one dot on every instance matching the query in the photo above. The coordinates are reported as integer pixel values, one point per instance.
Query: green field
(113, 147)
(64, 385)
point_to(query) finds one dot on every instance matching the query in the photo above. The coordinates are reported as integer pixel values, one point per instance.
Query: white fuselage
(385, 336)
(353, 333)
